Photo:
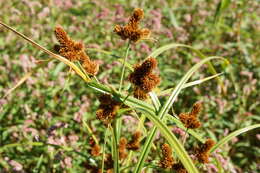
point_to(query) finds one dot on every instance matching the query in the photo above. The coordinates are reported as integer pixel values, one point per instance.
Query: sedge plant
(115, 154)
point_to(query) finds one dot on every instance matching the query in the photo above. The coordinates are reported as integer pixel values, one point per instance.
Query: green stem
(185, 136)
(124, 65)
(115, 148)
(118, 122)
(104, 153)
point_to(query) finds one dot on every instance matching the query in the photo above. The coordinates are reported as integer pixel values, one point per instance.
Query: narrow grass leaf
(25, 77)
(190, 84)
(232, 135)
(162, 49)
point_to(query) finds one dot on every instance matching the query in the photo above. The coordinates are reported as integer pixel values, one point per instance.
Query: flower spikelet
(196, 108)
(202, 152)
(131, 30)
(74, 51)
(143, 78)
(107, 109)
(136, 17)
(134, 144)
(91, 67)
(190, 120)
(140, 94)
(68, 48)
(95, 148)
(167, 160)
(122, 148)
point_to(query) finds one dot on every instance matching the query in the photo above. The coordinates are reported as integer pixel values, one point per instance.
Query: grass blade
(115, 153)
(19, 83)
(232, 135)
(103, 152)
(24, 78)
(160, 50)
(193, 83)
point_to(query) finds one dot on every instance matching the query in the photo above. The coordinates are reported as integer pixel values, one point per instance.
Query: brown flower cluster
(134, 143)
(74, 51)
(95, 148)
(144, 79)
(179, 168)
(167, 160)
(92, 169)
(107, 109)
(122, 148)
(190, 119)
(202, 152)
(109, 163)
(131, 30)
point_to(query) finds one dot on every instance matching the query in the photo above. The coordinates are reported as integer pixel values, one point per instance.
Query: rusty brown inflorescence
(122, 148)
(95, 148)
(107, 108)
(143, 78)
(74, 51)
(134, 144)
(131, 30)
(167, 160)
(202, 152)
(190, 119)
(179, 168)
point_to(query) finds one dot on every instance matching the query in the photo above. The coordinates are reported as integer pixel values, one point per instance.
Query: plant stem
(185, 136)
(118, 122)
(103, 153)
(123, 68)
(90, 132)
(115, 147)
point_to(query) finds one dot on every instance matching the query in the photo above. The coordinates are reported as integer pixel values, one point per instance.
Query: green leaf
(193, 83)
(115, 148)
(160, 50)
(232, 135)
